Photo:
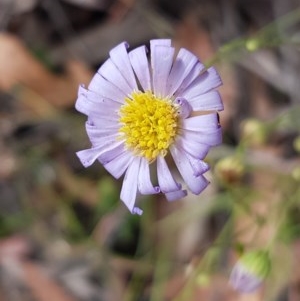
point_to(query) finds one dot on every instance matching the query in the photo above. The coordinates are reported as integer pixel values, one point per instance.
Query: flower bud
(250, 271)
(296, 174)
(254, 132)
(230, 170)
(203, 279)
(296, 144)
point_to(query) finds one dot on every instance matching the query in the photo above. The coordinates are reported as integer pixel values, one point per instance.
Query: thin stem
(209, 259)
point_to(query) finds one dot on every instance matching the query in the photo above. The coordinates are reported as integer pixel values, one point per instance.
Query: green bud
(297, 144)
(203, 279)
(250, 271)
(257, 263)
(230, 170)
(296, 174)
(252, 44)
(254, 132)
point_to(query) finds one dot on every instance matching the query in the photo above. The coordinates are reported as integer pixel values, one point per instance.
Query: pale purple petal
(103, 122)
(206, 81)
(161, 63)
(130, 185)
(106, 89)
(117, 166)
(195, 184)
(89, 156)
(137, 210)
(112, 74)
(166, 180)
(210, 101)
(140, 65)
(97, 110)
(89, 101)
(201, 123)
(183, 65)
(144, 182)
(107, 150)
(106, 119)
(95, 131)
(160, 42)
(96, 98)
(110, 153)
(211, 137)
(103, 139)
(175, 195)
(83, 106)
(184, 109)
(119, 56)
(195, 149)
(199, 167)
(99, 118)
(167, 183)
(193, 74)
(244, 281)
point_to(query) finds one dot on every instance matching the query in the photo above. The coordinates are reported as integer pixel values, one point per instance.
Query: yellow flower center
(150, 124)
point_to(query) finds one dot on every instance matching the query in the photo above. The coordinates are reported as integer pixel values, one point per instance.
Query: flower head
(250, 271)
(230, 170)
(140, 111)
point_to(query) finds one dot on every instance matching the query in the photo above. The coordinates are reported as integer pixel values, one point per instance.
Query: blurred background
(64, 234)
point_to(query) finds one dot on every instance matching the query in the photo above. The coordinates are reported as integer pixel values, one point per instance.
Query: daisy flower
(140, 110)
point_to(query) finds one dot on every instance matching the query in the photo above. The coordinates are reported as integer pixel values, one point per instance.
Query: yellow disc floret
(149, 124)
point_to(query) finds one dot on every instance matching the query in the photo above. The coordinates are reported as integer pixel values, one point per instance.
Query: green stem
(206, 264)
(269, 36)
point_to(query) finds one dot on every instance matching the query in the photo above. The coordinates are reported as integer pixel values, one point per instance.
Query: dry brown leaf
(19, 67)
(41, 286)
(191, 36)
